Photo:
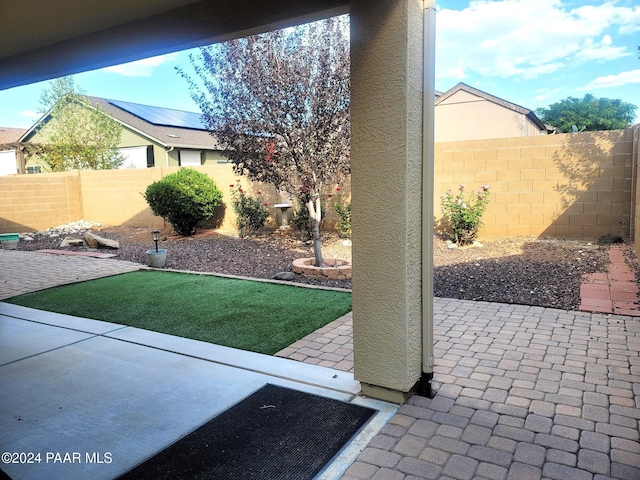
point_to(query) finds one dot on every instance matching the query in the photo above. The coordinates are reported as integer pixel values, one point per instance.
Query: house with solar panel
(151, 136)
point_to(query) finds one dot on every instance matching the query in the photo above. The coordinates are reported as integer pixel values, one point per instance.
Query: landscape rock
(609, 239)
(288, 276)
(68, 229)
(95, 241)
(72, 242)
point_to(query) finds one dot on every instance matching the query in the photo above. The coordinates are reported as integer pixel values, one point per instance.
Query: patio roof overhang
(45, 40)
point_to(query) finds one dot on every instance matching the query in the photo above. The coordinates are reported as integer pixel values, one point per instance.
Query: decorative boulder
(95, 241)
(72, 242)
(288, 276)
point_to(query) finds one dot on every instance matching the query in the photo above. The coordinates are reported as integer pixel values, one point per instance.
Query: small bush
(184, 199)
(250, 212)
(344, 212)
(464, 213)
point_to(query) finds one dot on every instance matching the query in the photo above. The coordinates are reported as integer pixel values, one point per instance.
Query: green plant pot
(157, 259)
(9, 241)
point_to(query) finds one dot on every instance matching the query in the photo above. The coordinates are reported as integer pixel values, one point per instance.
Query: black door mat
(276, 433)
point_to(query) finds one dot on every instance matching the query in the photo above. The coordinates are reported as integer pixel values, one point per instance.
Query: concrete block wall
(578, 185)
(114, 197)
(37, 202)
(574, 185)
(635, 226)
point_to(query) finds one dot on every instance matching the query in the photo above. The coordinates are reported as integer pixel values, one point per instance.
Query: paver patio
(523, 392)
(24, 272)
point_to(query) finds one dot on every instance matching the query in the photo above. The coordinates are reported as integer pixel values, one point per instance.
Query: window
(190, 158)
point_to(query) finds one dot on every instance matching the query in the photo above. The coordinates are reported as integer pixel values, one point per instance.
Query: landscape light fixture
(156, 237)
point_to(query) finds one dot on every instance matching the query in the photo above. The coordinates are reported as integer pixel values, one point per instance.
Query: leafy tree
(279, 105)
(589, 112)
(78, 134)
(185, 199)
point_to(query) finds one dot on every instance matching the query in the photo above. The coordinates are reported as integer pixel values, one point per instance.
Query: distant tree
(78, 135)
(279, 105)
(589, 112)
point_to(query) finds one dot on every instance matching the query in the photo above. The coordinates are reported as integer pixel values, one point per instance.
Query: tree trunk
(315, 214)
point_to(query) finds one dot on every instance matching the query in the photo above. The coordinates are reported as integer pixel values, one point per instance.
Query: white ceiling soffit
(43, 40)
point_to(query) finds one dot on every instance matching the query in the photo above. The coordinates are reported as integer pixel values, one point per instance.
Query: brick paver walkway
(330, 346)
(24, 272)
(613, 291)
(523, 393)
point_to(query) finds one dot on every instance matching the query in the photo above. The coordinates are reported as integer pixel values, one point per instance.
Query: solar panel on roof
(162, 116)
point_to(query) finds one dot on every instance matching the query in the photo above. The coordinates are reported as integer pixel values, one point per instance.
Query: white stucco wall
(8, 162)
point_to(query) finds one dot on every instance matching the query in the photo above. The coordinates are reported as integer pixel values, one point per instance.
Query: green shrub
(464, 213)
(344, 212)
(184, 199)
(250, 212)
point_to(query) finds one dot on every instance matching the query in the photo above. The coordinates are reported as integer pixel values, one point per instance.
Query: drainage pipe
(428, 105)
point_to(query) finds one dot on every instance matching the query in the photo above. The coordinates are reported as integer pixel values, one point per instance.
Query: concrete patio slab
(274, 367)
(95, 405)
(69, 322)
(42, 338)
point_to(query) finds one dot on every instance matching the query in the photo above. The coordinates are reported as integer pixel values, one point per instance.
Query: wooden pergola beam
(23, 149)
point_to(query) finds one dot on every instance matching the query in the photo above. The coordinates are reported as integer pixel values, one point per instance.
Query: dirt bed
(521, 270)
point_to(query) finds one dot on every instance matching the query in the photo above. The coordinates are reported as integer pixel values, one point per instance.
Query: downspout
(428, 105)
(168, 150)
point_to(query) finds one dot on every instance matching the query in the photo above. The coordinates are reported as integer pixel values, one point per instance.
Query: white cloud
(545, 94)
(526, 38)
(618, 80)
(141, 68)
(30, 114)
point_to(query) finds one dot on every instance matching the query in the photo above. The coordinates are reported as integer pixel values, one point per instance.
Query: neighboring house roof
(11, 135)
(166, 126)
(491, 98)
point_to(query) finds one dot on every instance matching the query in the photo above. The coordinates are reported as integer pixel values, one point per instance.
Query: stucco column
(386, 181)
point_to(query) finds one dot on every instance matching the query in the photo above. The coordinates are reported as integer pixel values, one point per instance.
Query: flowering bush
(344, 212)
(464, 213)
(251, 213)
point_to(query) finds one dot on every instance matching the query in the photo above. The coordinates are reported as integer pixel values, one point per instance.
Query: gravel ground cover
(520, 270)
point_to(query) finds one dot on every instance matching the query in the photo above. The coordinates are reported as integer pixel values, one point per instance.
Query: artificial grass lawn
(256, 316)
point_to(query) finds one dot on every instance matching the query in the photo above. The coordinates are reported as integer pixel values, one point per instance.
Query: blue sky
(529, 52)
